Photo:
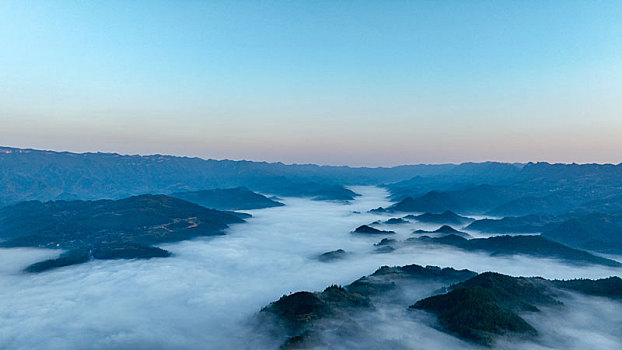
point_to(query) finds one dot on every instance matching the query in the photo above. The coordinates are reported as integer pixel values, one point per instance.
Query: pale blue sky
(331, 82)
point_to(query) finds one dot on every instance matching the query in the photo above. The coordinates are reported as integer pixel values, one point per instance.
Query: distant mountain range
(513, 190)
(582, 202)
(502, 189)
(27, 174)
(578, 205)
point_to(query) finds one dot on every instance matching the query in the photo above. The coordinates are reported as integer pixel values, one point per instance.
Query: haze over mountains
(383, 175)
(573, 204)
(206, 237)
(47, 175)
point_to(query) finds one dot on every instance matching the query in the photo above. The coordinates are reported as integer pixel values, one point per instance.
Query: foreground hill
(306, 319)
(472, 307)
(489, 304)
(239, 198)
(124, 228)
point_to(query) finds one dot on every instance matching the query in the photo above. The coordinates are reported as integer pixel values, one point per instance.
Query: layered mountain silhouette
(601, 232)
(239, 198)
(500, 188)
(432, 201)
(28, 174)
(514, 189)
(533, 245)
(445, 230)
(446, 217)
(518, 224)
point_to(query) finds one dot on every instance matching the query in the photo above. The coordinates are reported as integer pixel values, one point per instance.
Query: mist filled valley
(288, 175)
(267, 270)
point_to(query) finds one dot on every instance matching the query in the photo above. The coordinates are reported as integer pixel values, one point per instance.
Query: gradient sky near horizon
(328, 82)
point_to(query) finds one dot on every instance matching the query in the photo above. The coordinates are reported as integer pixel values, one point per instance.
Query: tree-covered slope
(105, 229)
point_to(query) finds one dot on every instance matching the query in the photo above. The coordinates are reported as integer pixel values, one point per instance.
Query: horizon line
(518, 163)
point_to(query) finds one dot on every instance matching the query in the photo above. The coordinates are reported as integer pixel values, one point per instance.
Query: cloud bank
(204, 296)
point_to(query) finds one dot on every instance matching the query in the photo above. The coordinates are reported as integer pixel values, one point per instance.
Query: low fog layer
(203, 296)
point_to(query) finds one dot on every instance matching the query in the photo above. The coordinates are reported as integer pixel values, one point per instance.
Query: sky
(373, 83)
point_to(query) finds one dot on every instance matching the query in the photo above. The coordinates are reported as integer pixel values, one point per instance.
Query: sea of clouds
(205, 294)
